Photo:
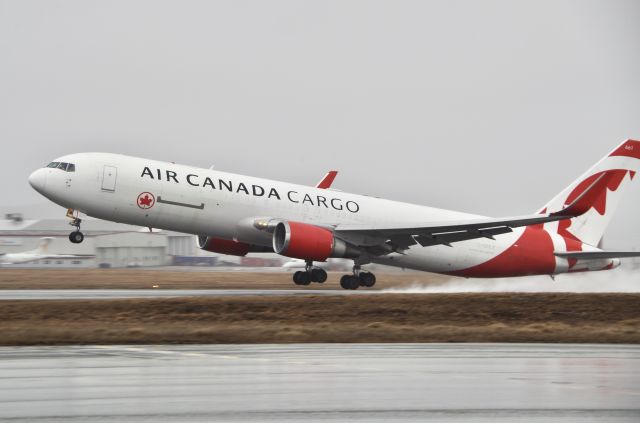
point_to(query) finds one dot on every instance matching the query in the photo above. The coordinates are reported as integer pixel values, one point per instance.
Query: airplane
(39, 253)
(237, 214)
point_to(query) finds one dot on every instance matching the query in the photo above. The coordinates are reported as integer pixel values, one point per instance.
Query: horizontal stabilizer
(596, 255)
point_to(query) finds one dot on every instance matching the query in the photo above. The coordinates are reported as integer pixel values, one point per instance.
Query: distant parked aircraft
(39, 253)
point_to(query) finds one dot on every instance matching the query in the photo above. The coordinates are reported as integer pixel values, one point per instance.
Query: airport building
(112, 245)
(106, 244)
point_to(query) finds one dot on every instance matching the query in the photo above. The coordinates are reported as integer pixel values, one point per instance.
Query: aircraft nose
(38, 180)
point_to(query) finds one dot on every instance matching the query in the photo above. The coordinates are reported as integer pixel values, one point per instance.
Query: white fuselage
(224, 205)
(18, 258)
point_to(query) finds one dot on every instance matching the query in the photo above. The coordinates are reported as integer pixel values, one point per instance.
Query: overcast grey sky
(489, 107)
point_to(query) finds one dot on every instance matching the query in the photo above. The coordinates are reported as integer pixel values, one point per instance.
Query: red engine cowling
(309, 242)
(223, 246)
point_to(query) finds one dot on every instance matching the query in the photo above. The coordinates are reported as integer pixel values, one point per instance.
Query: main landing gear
(310, 274)
(358, 279)
(76, 236)
(315, 274)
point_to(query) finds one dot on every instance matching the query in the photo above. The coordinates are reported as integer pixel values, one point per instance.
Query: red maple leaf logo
(146, 200)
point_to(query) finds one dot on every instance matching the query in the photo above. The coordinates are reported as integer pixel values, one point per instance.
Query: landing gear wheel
(318, 275)
(76, 237)
(305, 278)
(349, 282)
(367, 279)
(301, 278)
(343, 281)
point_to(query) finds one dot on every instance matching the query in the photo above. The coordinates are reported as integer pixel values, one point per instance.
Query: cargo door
(109, 176)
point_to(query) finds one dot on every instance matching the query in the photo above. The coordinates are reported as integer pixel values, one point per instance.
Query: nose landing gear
(76, 236)
(310, 274)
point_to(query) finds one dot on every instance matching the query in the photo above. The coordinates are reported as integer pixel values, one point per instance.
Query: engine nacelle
(229, 247)
(309, 242)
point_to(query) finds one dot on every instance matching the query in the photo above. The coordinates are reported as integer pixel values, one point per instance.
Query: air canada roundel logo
(146, 200)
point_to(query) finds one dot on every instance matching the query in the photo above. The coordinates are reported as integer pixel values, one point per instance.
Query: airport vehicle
(40, 253)
(237, 214)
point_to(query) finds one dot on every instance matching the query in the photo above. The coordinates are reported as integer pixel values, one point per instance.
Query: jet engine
(230, 247)
(309, 242)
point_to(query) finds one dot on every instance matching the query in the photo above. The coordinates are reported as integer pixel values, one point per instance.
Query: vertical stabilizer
(613, 174)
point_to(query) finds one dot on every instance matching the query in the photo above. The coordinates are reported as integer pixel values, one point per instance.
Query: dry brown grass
(170, 279)
(600, 318)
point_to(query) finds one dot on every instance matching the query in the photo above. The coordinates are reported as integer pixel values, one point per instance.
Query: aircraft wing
(596, 255)
(440, 233)
(444, 233)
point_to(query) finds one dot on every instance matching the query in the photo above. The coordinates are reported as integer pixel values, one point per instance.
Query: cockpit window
(67, 167)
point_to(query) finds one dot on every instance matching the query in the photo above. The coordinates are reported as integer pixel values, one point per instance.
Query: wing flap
(448, 238)
(454, 226)
(438, 233)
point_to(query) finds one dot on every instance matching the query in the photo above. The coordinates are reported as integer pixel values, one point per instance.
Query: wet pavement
(321, 382)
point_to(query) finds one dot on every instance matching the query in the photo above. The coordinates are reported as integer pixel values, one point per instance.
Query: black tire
(367, 279)
(318, 275)
(76, 237)
(304, 278)
(354, 282)
(296, 277)
(349, 282)
(362, 278)
(372, 280)
(343, 282)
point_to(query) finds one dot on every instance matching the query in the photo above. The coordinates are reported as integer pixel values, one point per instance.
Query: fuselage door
(109, 176)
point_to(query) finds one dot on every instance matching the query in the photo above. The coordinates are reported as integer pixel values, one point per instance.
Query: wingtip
(327, 180)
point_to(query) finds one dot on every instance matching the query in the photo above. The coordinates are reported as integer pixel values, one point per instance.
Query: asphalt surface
(321, 382)
(109, 294)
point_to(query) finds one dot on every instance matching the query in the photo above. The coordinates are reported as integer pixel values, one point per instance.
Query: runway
(110, 294)
(322, 382)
